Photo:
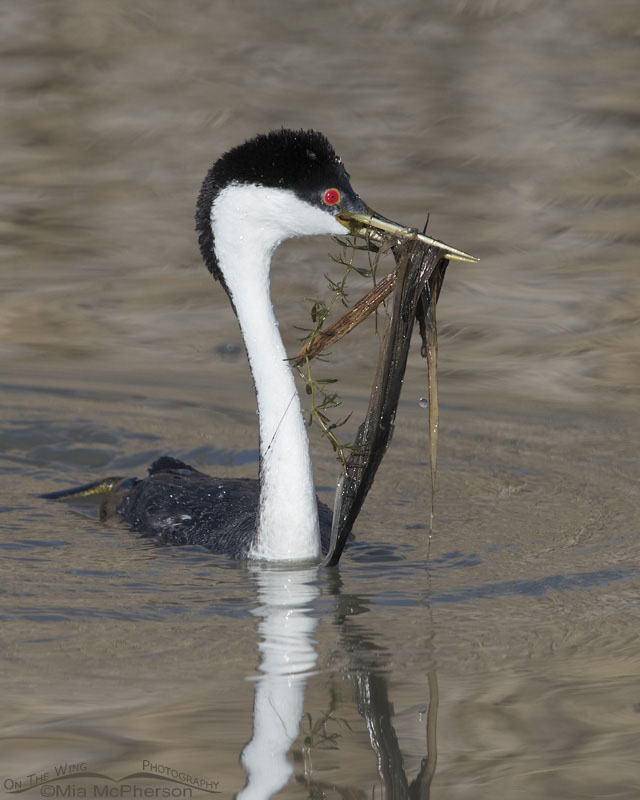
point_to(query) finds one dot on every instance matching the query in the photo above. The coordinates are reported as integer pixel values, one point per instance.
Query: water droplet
(423, 402)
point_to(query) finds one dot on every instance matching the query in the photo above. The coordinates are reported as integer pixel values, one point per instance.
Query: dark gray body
(176, 504)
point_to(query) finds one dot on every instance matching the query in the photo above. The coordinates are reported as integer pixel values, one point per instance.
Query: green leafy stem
(323, 399)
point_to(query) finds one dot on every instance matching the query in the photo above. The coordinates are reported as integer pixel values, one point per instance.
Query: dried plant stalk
(356, 314)
(420, 273)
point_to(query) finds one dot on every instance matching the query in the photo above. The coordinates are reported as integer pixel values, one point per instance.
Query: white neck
(248, 223)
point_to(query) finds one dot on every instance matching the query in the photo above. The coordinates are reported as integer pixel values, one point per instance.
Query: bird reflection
(288, 657)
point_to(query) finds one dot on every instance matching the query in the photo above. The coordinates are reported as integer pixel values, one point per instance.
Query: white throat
(248, 223)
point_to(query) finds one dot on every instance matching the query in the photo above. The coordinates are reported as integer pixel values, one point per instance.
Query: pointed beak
(371, 225)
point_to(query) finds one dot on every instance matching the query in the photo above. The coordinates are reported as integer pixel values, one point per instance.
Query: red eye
(331, 197)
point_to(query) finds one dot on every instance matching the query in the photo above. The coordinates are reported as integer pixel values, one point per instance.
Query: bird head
(282, 184)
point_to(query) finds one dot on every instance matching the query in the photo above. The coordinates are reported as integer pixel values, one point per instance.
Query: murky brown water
(516, 125)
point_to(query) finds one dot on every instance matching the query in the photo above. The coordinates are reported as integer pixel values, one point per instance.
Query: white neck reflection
(288, 655)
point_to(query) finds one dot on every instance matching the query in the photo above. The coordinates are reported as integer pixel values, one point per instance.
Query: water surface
(515, 124)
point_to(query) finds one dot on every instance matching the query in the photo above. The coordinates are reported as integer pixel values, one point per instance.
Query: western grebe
(275, 186)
